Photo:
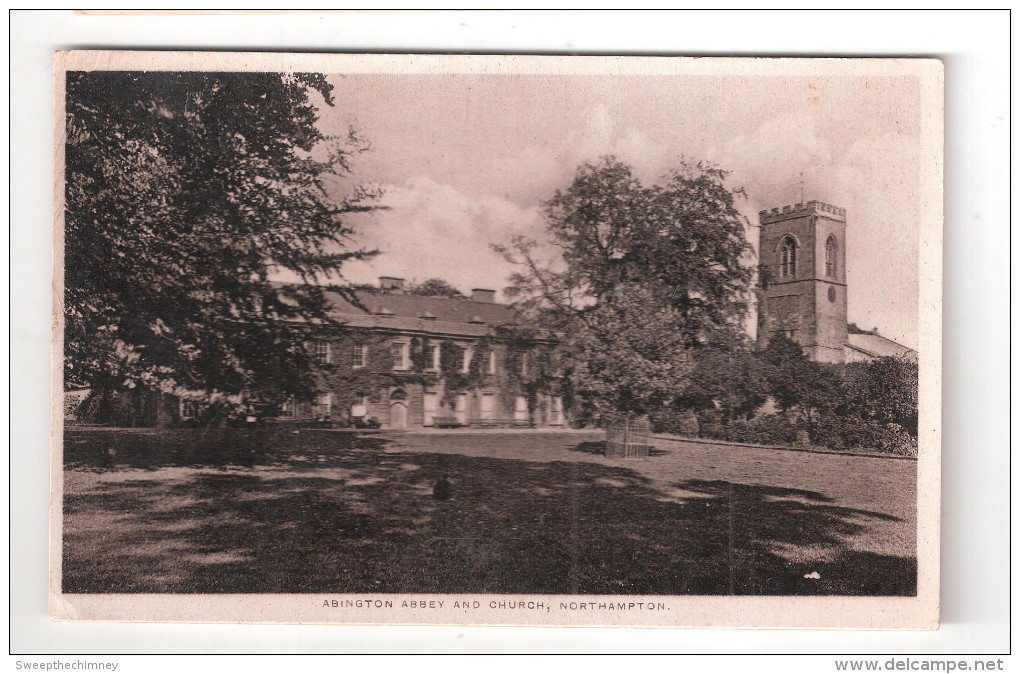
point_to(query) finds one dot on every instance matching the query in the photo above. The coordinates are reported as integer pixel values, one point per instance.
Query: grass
(237, 511)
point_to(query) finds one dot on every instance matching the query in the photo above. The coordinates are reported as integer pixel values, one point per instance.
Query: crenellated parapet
(800, 210)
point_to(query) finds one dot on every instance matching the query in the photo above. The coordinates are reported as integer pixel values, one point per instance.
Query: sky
(466, 161)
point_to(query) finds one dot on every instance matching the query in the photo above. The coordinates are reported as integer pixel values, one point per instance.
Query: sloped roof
(445, 309)
(877, 346)
(419, 313)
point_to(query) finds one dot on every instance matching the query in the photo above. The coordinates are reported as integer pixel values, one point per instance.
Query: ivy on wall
(348, 383)
(530, 368)
(543, 373)
(451, 366)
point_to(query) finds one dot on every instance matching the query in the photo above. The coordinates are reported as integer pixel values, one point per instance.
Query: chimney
(483, 295)
(391, 284)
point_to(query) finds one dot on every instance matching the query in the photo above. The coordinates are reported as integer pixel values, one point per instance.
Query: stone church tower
(802, 253)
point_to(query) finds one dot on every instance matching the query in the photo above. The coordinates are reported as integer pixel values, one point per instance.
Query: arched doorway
(398, 410)
(398, 416)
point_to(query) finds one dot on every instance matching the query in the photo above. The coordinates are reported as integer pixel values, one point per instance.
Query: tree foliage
(184, 192)
(796, 382)
(870, 406)
(629, 357)
(735, 381)
(643, 276)
(883, 391)
(436, 287)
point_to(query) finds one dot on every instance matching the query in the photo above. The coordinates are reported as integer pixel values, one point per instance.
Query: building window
(189, 409)
(359, 356)
(322, 405)
(557, 367)
(519, 363)
(788, 257)
(490, 363)
(399, 351)
(468, 355)
(360, 407)
(521, 409)
(432, 357)
(320, 351)
(830, 257)
(287, 408)
(430, 404)
(555, 411)
(488, 406)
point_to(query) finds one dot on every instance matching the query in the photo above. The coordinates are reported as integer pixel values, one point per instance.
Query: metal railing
(628, 438)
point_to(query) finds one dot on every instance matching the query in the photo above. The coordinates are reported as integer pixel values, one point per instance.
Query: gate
(628, 438)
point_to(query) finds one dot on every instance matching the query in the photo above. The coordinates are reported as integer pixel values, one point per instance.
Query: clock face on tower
(832, 294)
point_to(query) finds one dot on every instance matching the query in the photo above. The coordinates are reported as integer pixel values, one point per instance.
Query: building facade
(430, 362)
(803, 289)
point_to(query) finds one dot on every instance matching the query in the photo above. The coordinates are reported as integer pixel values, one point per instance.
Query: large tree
(797, 383)
(629, 358)
(184, 192)
(436, 287)
(732, 380)
(641, 276)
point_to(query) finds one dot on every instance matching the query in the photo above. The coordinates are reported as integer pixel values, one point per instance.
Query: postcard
(504, 340)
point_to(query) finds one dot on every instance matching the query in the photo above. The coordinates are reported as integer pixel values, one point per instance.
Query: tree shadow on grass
(777, 537)
(149, 449)
(369, 524)
(598, 448)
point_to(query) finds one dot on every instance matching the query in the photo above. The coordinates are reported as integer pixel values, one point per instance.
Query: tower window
(830, 257)
(788, 257)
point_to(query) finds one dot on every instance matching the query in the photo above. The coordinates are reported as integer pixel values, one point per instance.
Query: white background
(975, 463)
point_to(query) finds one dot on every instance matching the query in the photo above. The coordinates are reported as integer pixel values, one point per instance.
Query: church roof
(875, 345)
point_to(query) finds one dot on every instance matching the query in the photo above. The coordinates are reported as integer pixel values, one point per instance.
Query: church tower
(802, 252)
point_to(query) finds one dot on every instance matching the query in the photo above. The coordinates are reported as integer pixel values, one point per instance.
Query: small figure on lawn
(443, 490)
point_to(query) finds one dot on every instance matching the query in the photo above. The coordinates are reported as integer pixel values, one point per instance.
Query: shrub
(710, 425)
(883, 391)
(854, 433)
(768, 429)
(111, 408)
(674, 421)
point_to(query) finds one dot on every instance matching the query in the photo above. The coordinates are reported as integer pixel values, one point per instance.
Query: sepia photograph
(496, 340)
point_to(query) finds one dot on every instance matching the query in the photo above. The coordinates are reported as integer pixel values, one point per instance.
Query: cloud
(464, 177)
(769, 162)
(874, 178)
(538, 169)
(436, 230)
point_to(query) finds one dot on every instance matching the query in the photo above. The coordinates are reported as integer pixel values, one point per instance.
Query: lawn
(231, 511)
